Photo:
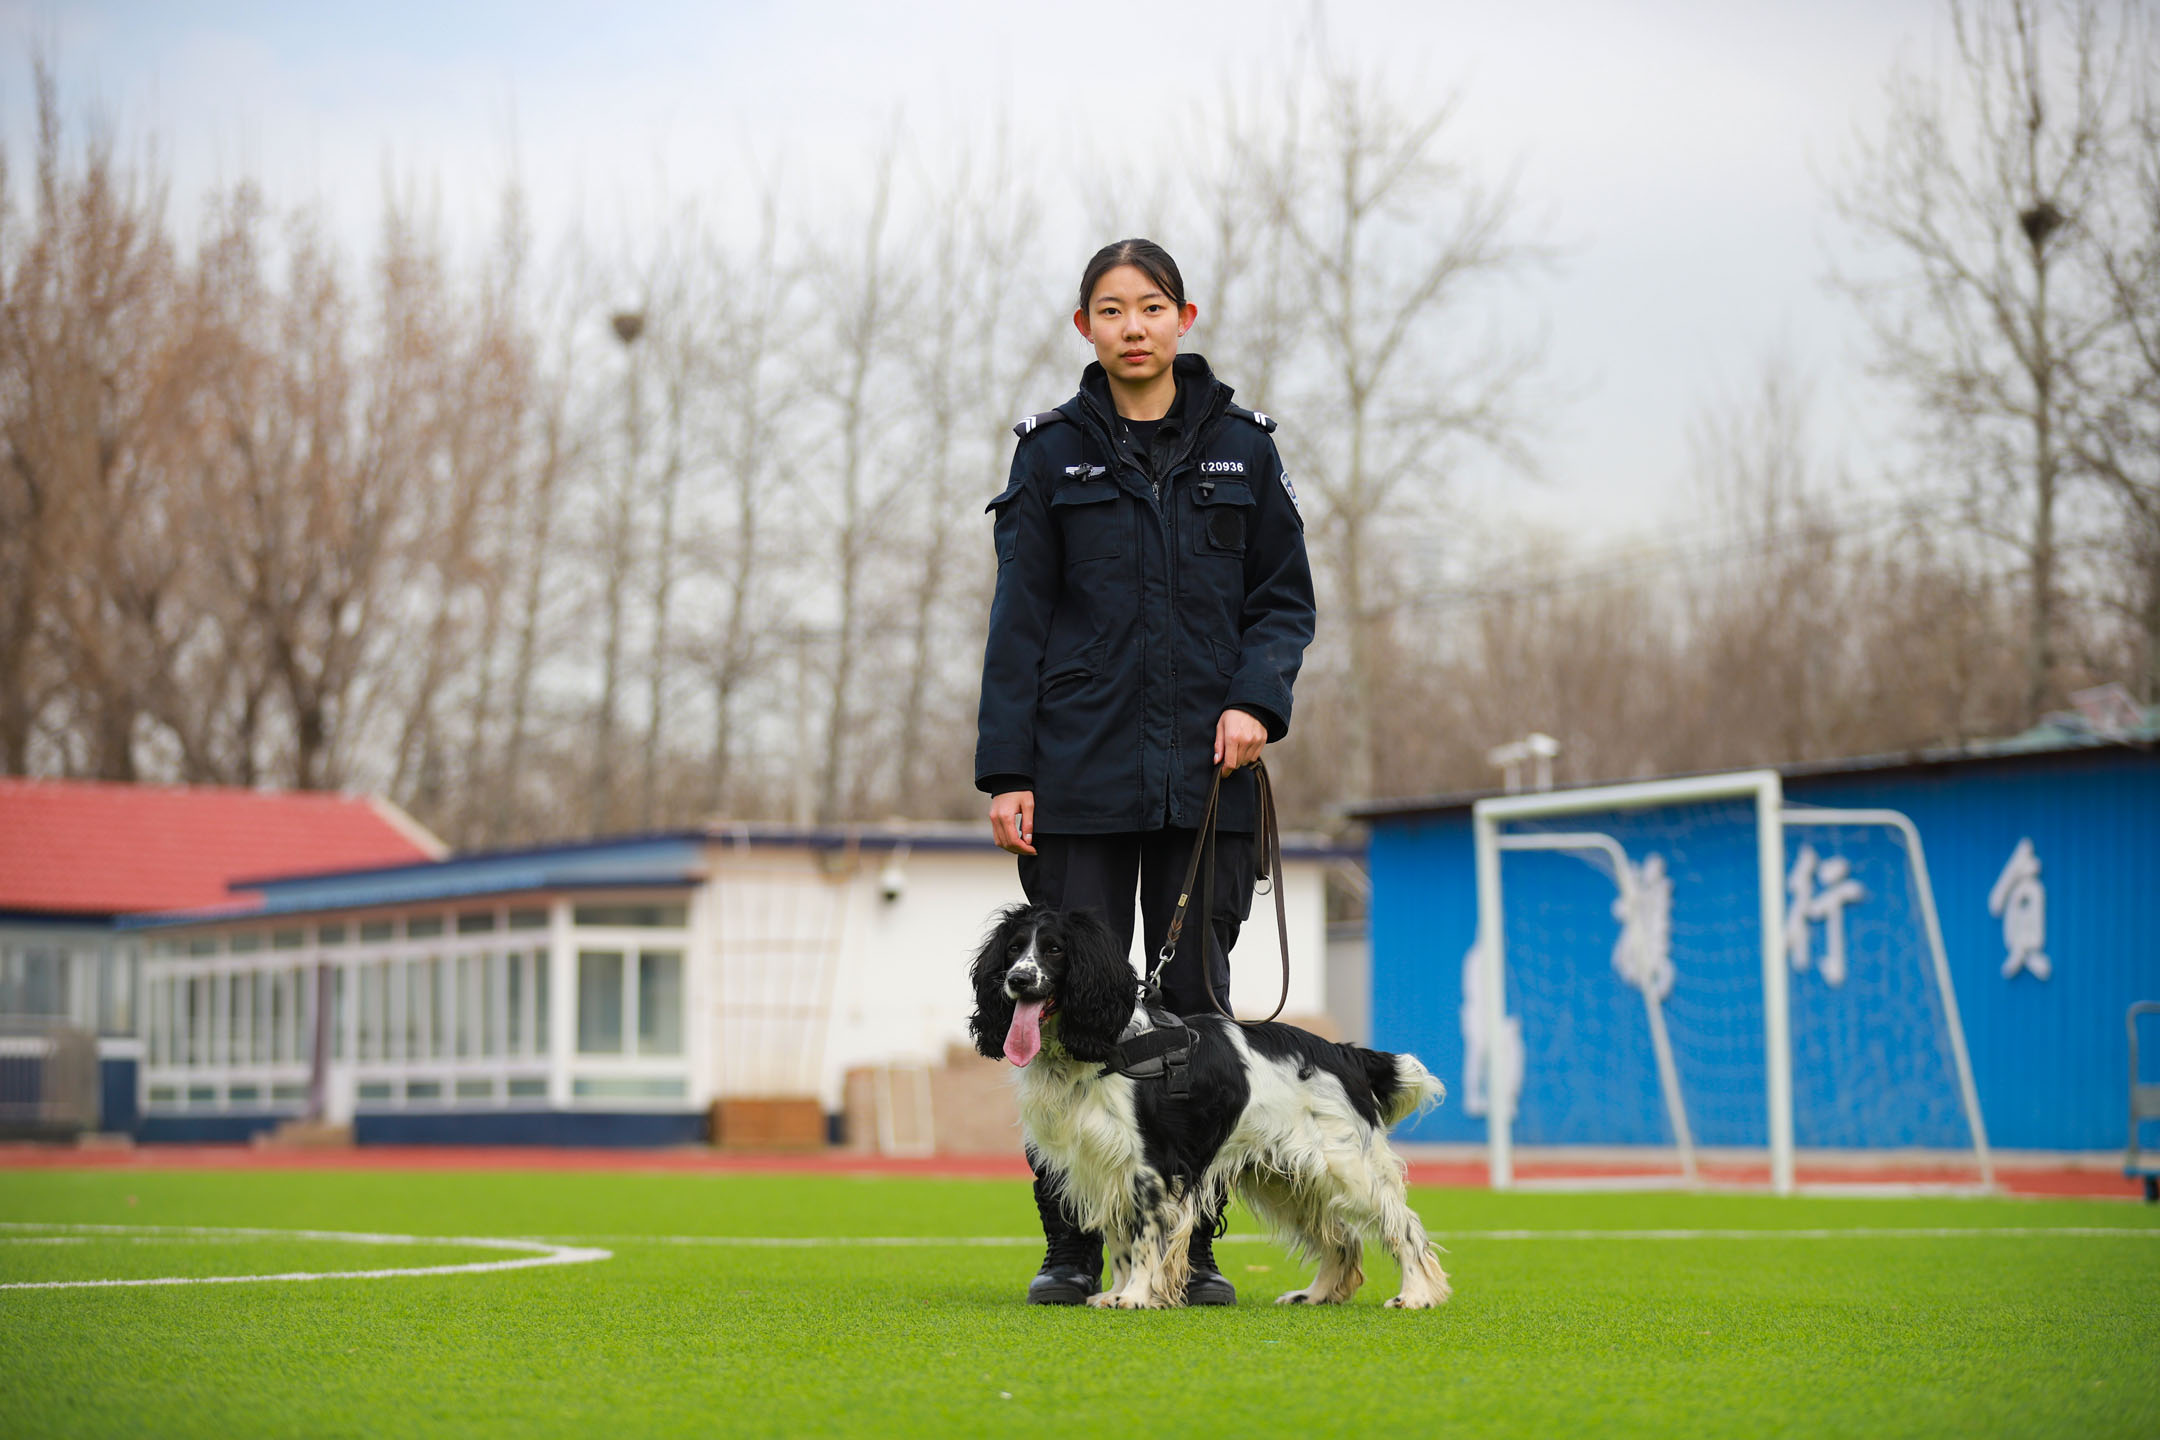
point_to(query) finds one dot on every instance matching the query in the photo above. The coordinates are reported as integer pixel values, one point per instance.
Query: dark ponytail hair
(1146, 256)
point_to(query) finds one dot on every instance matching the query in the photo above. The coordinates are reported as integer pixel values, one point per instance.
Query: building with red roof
(98, 849)
(76, 856)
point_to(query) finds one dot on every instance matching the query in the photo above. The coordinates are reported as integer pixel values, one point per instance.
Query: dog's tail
(1402, 1085)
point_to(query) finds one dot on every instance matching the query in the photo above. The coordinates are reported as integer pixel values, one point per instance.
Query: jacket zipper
(1160, 490)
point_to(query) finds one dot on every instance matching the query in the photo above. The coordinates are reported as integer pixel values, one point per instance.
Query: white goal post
(1764, 790)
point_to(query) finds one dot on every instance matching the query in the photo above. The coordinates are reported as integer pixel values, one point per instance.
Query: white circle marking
(536, 1253)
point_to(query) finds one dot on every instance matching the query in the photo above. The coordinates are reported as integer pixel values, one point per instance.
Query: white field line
(1823, 1190)
(536, 1253)
(1858, 1232)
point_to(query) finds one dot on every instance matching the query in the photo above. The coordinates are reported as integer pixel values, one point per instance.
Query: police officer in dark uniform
(1153, 606)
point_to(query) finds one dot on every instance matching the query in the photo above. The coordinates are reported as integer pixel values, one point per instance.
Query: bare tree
(753, 403)
(554, 446)
(2117, 435)
(1980, 188)
(860, 294)
(92, 394)
(1386, 241)
(967, 384)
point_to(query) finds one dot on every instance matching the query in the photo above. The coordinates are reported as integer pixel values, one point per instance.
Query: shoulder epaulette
(1030, 424)
(1264, 421)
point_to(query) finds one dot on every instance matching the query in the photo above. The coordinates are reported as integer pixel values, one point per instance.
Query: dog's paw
(1303, 1297)
(1102, 1300)
(1398, 1302)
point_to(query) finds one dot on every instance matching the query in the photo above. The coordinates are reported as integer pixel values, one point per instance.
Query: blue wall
(2049, 1056)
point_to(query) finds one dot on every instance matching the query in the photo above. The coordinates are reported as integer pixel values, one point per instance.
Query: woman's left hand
(1238, 740)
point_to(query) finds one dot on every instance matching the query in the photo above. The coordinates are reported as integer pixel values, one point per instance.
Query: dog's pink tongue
(1024, 1039)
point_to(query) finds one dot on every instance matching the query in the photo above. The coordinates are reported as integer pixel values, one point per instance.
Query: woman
(1153, 605)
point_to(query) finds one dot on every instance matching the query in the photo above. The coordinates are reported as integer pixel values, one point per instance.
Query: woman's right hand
(1012, 821)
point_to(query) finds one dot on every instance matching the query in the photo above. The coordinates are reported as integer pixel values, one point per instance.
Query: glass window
(423, 927)
(476, 1089)
(628, 1088)
(536, 1041)
(528, 1087)
(275, 1043)
(468, 1012)
(202, 1094)
(370, 1016)
(338, 1012)
(514, 1006)
(476, 922)
(32, 981)
(330, 934)
(377, 1090)
(202, 945)
(492, 978)
(600, 1002)
(643, 917)
(659, 1014)
(303, 1013)
(269, 1017)
(244, 1094)
(198, 1020)
(116, 991)
(372, 931)
(287, 1092)
(235, 994)
(442, 1008)
(423, 1090)
(417, 1009)
(287, 939)
(246, 942)
(528, 919)
(397, 999)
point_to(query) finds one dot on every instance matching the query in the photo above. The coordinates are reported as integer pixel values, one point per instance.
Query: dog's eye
(1053, 948)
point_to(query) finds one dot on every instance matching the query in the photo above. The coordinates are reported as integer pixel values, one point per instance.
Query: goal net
(1691, 981)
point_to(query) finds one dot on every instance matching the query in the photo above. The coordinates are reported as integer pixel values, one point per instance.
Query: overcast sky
(1677, 150)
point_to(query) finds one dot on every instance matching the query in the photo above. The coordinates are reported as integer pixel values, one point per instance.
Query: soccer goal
(1691, 980)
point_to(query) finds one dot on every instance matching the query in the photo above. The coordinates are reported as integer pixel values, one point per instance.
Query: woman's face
(1133, 325)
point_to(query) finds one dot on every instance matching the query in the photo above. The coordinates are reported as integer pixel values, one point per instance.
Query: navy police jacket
(1126, 621)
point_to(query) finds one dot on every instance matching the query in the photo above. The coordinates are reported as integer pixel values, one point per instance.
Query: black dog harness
(1157, 1043)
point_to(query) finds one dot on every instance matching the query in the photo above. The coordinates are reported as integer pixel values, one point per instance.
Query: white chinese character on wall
(1477, 1056)
(2019, 900)
(1643, 953)
(1808, 904)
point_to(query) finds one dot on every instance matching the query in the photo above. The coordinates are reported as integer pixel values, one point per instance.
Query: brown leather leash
(1267, 856)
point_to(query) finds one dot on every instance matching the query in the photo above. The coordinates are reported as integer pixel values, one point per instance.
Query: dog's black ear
(1096, 998)
(993, 1009)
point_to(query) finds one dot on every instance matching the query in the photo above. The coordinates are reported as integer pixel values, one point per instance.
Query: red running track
(2057, 1183)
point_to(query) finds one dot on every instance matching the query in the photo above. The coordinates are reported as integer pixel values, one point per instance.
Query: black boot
(1208, 1285)
(1072, 1261)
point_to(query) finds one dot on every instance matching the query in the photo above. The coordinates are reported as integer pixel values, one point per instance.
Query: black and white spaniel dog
(1294, 1124)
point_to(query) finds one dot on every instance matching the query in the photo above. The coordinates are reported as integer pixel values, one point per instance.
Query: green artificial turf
(1852, 1334)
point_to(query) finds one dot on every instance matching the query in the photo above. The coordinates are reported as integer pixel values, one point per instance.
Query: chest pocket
(1222, 517)
(1092, 526)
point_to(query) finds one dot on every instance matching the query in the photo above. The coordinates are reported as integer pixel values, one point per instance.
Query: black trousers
(1100, 873)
